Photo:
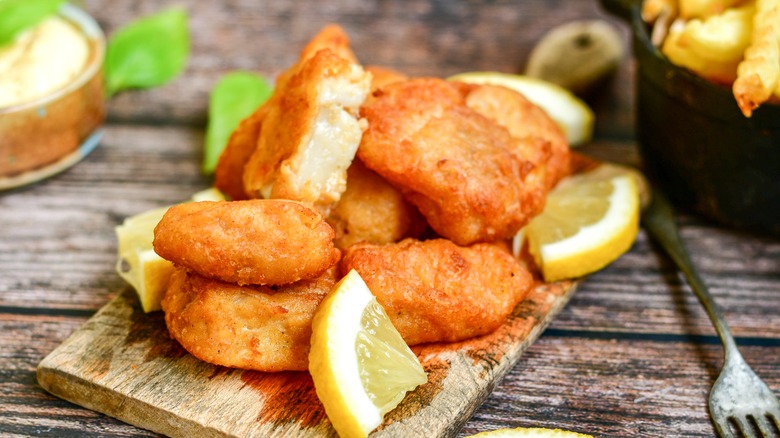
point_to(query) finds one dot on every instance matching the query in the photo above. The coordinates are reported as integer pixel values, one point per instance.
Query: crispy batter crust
(460, 168)
(229, 174)
(381, 76)
(247, 242)
(249, 327)
(372, 210)
(436, 291)
(541, 141)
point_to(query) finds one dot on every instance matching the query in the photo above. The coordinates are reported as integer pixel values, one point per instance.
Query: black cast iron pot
(697, 145)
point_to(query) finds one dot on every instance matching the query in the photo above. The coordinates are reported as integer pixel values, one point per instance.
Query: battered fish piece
(333, 38)
(229, 173)
(250, 327)
(461, 169)
(372, 210)
(312, 129)
(381, 76)
(541, 140)
(247, 242)
(436, 291)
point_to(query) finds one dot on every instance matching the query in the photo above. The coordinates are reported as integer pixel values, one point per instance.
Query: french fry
(759, 73)
(682, 54)
(704, 8)
(722, 37)
(660, 14)
(652, 9)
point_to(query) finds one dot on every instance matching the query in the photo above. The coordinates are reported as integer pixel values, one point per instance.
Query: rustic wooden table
(632, 354)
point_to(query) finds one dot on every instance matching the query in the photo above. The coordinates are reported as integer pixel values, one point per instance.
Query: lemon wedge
(137, 262)
(589, 220)
(572, 114)
(360, 365)
(529, 432)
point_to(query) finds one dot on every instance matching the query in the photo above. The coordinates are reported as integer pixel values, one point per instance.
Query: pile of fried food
(418, 184)
(731, 42)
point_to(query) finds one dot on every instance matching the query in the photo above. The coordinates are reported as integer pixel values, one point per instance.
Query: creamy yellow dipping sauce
(41, 60)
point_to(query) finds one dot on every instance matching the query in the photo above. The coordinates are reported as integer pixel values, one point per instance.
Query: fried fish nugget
(333, 38)
(541, 140)
(381, 76)
(436, 291)
(458, 167)
(229, 174)
(247, 242)
(311, 130)
(372, 210)
(250, 327)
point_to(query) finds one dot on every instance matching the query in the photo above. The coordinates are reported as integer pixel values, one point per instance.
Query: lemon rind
(564, 259)
(346, 402)
(541, 93)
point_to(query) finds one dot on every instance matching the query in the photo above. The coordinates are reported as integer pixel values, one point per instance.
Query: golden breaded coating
(541, 140)
(436, 291)
(250, 327)
(381, 76)
(372, 210)
(459, 168)
(247, 242)
(311, 130)
(229, 173)
(333, 38)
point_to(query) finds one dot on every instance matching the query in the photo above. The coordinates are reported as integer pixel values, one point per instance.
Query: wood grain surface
(632, 354)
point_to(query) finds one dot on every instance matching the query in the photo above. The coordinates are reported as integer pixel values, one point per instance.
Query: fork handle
(662, 225)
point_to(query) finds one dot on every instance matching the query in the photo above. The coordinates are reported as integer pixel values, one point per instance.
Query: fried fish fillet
(540, 139)
(333, 38)
(381, 76)
(461, 169)
(372, 210)
(251, 327)
(229, 174)
(247, 242)
(312, 128)
(436, 291)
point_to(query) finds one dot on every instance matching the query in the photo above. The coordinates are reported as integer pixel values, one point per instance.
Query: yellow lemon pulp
(589, 220)
(137, 263)
(360, 365)
(529, 432)
(572, 114)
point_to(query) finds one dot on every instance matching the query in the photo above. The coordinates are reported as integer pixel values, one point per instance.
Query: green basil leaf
(148, 52)
(236, 96)
(19, 15)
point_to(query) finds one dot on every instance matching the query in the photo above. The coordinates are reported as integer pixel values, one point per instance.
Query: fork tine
(774, 415)
(723, 427)
(764, 425)
(744, 426)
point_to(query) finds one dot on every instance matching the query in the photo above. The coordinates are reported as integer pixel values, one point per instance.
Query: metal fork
(739, 396)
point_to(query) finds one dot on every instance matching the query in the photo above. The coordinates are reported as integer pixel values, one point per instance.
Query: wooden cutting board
(123, 363)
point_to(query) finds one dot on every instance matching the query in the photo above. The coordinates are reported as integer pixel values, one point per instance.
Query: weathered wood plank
(623, 388)
(625, 331)
(122, 363)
